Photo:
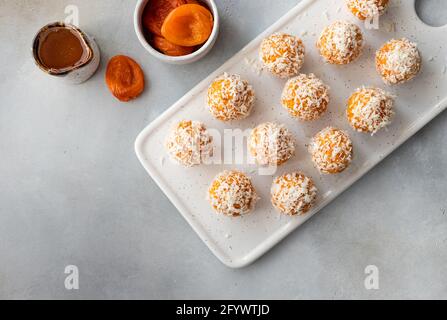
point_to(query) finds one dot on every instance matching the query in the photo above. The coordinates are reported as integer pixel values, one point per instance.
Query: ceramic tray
(239, 241)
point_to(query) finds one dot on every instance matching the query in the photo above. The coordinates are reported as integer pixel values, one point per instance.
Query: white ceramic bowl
(141, 4)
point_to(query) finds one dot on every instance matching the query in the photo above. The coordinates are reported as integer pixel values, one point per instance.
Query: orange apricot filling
(188, 25)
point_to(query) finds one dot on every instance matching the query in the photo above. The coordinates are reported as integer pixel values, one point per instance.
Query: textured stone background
(73, 192)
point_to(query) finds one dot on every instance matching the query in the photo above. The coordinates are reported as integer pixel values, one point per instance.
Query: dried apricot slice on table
(124, 78)
(188, 25)
(169, 48)
(156, 12)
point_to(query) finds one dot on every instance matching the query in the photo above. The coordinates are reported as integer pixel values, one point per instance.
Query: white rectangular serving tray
(239, 241)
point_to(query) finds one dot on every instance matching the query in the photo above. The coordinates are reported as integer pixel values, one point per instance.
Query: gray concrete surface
(73, 192)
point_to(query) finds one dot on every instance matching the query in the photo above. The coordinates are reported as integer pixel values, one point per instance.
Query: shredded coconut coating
(230, 97)
(189, 143)
(282, 54)
(293, 193)
(367, 9)
(398, 61)
(370, 109)
(271, 144)
(331, 150)
(340, 43)
(305, 97)
(231, 193)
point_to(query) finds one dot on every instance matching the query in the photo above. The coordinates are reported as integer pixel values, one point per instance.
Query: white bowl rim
(141, 4)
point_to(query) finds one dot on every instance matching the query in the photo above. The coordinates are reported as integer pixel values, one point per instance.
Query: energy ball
(189, 143)
(271, 144)
(231, 193)
(340, 43)
(293, 193)
(398, 61)
(305, 97)
(370, 109)
(367, 9)
(282, 54)
(230, 97)
(331, 150)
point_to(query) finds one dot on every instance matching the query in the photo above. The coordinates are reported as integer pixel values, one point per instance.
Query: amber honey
(61, 48)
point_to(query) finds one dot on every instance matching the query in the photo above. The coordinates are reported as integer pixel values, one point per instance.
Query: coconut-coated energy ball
(231, 193)
(189, 143)
(305, 97)
(282, 54)
(370, 109)
(367, 9)
(271, 144)
(398, 61)
(293, 193)
(331, 150)
(230, 97)
(340, 43)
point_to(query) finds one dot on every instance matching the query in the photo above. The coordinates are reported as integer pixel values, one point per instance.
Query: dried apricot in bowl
(188, 25)
(169, 48)
(124, 78)
(156, 12)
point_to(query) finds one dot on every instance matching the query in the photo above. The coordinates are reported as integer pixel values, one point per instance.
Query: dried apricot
(188, 25)
(156, 12)
(124, 78)
(169, 48)
(196, 2)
